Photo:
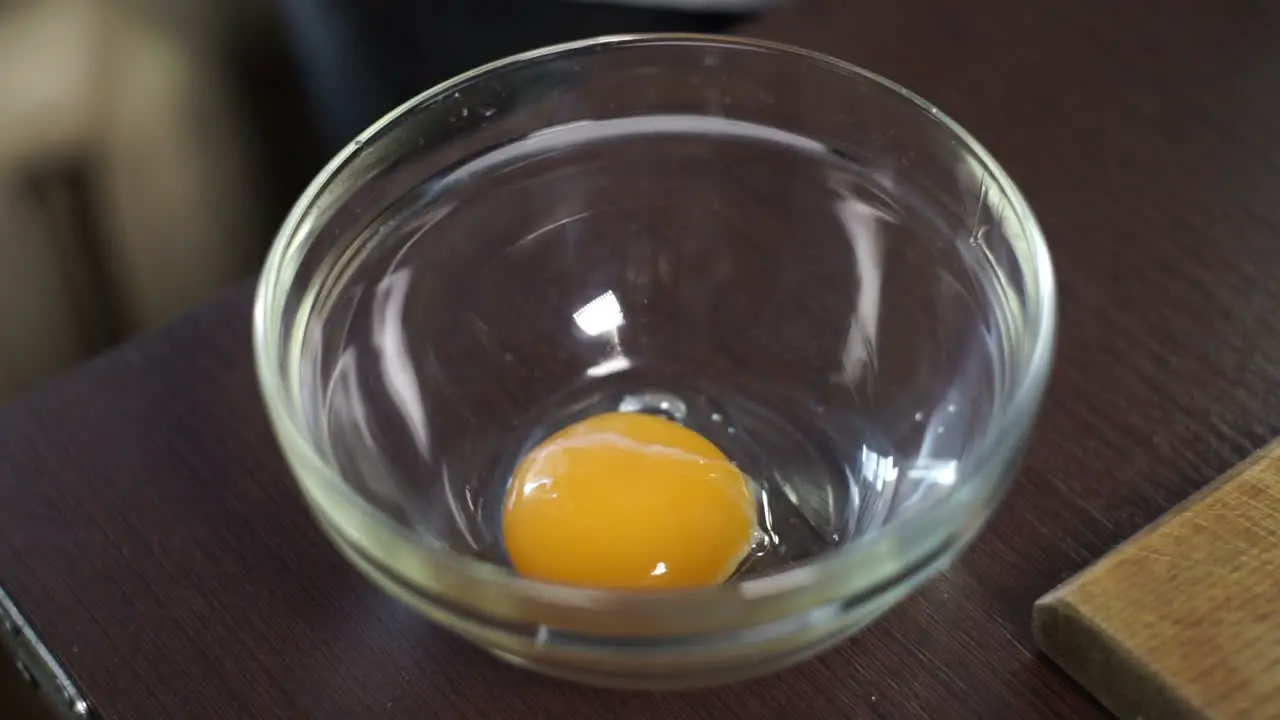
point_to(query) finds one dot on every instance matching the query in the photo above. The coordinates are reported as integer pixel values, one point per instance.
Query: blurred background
(149, 148)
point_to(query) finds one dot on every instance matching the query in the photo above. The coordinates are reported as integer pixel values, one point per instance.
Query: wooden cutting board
(1183, 619)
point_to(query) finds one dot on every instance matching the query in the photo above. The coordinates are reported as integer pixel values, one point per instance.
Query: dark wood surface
(152, 534)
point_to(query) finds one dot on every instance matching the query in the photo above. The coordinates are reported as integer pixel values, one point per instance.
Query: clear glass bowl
(799, 259)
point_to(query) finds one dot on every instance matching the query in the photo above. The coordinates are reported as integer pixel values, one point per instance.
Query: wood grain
(1182, 622)
(153, 536)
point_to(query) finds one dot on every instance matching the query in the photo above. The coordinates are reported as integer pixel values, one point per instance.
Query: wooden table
(150, 531)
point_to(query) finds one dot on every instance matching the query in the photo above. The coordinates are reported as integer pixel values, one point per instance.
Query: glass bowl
(804, 262)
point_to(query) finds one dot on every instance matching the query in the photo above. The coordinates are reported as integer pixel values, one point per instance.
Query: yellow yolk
(628, 501)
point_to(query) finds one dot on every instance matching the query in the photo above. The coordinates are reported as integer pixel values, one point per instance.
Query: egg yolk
(628, 501)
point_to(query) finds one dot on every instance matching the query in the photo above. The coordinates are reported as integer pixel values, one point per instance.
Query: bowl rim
(876, 562)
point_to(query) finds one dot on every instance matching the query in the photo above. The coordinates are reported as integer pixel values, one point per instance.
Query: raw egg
(628, 501)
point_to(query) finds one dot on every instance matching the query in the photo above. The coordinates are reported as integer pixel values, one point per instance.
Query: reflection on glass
(600, 316)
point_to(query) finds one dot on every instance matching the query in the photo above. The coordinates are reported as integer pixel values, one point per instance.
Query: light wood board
(1183, 619)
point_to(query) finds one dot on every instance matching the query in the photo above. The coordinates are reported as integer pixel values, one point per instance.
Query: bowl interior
(798, 260)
